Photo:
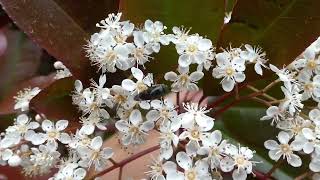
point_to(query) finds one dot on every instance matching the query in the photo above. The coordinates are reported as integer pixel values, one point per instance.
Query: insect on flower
(154, 92)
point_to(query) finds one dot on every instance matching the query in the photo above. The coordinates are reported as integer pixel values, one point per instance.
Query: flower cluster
(300, 132)
(190, 146)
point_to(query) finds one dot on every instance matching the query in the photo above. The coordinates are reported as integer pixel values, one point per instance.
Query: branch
(126, 161)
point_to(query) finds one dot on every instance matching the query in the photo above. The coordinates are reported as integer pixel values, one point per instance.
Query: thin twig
(274, 168)
(261, 101)
(304, 175)
(126, 161)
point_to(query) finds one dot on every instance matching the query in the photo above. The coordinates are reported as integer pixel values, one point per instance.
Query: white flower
(24, 97)
(24, 127)
(159, 167)
(284, 74)
(111, 22)
(230, 69)
(168, 138)
(254, 55)
(42, 160)
(8, 155)
(52, 133)
(142, 84)
(154, 35)
(140, 53)
(93, 121)
(292, 100)
(195, 134)
(227, 17)
(70, 171)
(192, 171)
(62, 70)
(194, 49)
(184, 80)
(284, 149)
(134, 130)
(196, 114)
(309, 62)
(241, 159)
(213, 148)
(315, 163)
(94, 154)
(80, 139)
(162, 112)
(311, 88)
(314, 115)
(274, 113)
(100, 91)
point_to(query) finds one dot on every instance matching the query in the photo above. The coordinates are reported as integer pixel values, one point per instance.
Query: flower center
(141, 86)
(95, 155)
(191, 175)
(119, 99)
(134, 130)
(192, 48)
(195, 134)
(111, 56)
(22, 128)
(285, 149)
(53, 134)
(184, 79)
(312, 64)
(139, 53)
(229, 71)
(240, 161)
(308, 86)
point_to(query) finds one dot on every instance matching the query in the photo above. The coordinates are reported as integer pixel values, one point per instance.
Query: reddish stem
(236, 101)
(126, 161)
(222, 98)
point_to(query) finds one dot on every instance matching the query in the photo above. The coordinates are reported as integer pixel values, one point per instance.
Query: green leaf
(205, 17)
(243, 124)
(55, 101)
(61, 27)
(283, 28)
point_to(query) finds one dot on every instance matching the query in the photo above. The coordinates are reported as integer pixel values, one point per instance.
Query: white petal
(239, 174)
(14, 161)
(87, 129)
(184, 60)
(239, 77)
(137, 73)
(283, 137)
(204, 44)
(135, 117)
(227, 164)
(61, 125)
(271, 145)
(47, 125)
(107, 153)
(169, 166)
(79, 173)
(308, 133)
(184, 160)
(196, 76)
(294, 160)
(228, 85)
(258, 69)
(128, 85)
(274, 155)
(78, 85)
(147, 126)
(64, 138)
(170, 76)
(152, 115)
(96, 143)
(202, 167)
(22, 119)
(122, 126)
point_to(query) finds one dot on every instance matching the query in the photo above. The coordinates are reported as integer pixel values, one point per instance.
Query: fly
(154, 92)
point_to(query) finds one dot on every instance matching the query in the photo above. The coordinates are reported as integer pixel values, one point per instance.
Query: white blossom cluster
(300, 132)
(190, 147)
